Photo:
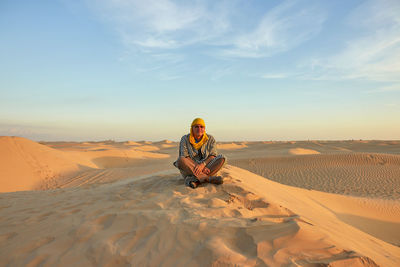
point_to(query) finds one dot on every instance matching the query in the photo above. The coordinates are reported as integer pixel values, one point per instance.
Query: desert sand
(308, 203)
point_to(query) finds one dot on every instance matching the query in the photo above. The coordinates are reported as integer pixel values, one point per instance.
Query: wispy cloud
(167, 24)
(165, 34)
(163, 24)
(373, 51)
(281, 28)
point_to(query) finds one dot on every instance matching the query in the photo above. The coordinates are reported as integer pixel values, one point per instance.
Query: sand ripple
(357, 174)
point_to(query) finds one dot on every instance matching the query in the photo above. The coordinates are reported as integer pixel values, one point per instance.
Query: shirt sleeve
(183, 149)
(213, 147)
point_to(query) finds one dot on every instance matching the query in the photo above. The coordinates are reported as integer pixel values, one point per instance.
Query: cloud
(373, 52)
(281, 28)
(162, 24)
(148, 26)
(165, 34)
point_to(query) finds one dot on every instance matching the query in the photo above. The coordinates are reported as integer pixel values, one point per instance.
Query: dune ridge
(25, 164)
(229, 146)
(302, 151)
(28, 165)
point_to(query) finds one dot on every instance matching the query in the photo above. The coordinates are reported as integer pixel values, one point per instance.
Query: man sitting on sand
(198, 161)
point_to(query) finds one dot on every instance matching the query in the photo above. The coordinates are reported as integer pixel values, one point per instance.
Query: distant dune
(131, 143)
(229, 146)
(357, 174)
(302, 151)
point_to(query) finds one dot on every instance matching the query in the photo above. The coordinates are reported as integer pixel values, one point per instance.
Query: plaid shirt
(186, 149)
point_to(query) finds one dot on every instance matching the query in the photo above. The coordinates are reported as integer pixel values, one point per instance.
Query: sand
(315, 203)
(357, 174)
(302, 151)
(230, 146)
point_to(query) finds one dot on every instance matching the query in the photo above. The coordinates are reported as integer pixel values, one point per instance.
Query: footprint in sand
(37, 244)
(106, 220)
(89, 228)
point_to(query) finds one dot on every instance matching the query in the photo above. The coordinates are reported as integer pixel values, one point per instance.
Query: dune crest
(230, 146)
(132, 143)
(302, 151)
(24, 164)
(147, 148)
(168, 145)
(28, 165)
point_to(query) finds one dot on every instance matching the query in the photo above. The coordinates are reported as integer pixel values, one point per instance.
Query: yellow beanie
(198, 121)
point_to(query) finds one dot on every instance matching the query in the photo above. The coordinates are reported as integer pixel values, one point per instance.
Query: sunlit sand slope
(25, 164)
(28, 165)
(155, 220)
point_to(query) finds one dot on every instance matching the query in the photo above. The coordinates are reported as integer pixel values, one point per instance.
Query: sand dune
(320, 209)
(155, 220)
(25, 164)
(120, 205)
(131, 143)
(28, 165)
(163, 142)
(229, 146)
(302, 151)
(114, 157)
(147, 148)
(167, 145)
(357, 174)
(279, 148)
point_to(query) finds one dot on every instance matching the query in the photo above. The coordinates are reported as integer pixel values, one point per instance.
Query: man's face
(198, 130)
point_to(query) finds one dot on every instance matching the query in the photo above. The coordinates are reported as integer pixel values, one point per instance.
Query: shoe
(192, 181)
(215, 180)
(194, 185)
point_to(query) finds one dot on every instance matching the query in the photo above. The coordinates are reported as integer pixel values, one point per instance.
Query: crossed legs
(187, 165)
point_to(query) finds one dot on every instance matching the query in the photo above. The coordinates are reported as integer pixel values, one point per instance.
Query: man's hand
(199, 169)
(206, 170)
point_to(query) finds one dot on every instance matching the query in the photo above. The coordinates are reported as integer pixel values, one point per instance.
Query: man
(198, 160)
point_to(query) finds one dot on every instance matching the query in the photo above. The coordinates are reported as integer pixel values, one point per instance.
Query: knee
(222, 159)
(225, 161)
(181, 161)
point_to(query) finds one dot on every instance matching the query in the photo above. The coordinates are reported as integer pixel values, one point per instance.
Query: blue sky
(254, 70)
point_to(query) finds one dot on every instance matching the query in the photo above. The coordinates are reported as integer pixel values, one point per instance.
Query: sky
(89, 70)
